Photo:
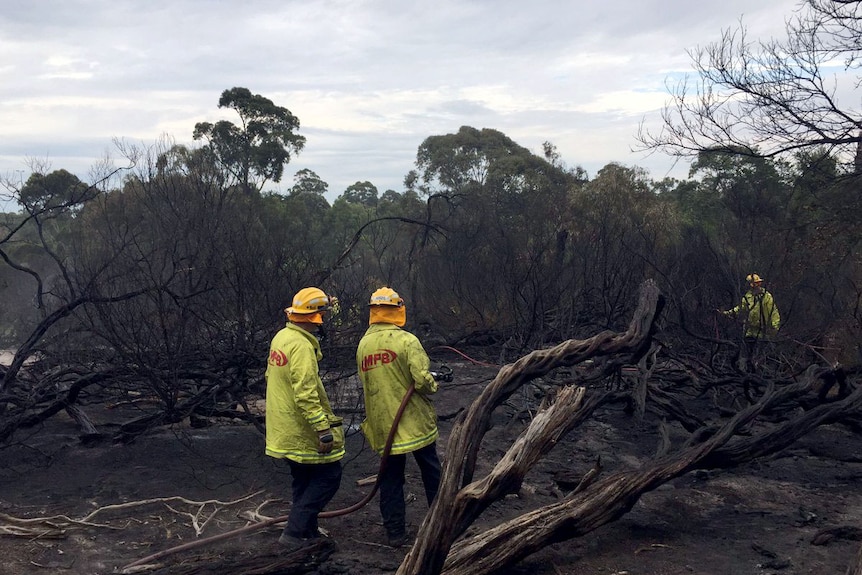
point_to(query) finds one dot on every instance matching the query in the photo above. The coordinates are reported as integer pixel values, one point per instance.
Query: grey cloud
(520, 67)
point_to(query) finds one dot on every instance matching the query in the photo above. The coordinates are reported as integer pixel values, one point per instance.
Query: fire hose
(445, 376)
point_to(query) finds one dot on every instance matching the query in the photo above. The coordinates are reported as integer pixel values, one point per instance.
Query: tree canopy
(255, 151)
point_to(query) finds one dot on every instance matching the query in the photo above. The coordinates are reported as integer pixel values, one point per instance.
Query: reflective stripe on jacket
(389, 359)
(759, 314)
(297, 406)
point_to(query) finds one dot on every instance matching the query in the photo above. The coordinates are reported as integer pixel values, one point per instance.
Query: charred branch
(458, 501)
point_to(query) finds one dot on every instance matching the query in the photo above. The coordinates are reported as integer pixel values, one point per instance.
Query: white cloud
(626, 102)
(369, 80)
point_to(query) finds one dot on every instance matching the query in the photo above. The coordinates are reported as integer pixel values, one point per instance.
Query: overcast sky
(369, 80)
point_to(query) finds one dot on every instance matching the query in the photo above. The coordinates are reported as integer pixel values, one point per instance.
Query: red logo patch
(378, 358)
(277, 358)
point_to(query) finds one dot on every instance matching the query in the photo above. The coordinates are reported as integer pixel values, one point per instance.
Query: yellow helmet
(308, 303)
(386, 306)
(386, 296)
(753, 279)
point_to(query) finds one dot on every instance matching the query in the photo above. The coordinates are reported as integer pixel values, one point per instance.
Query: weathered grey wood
(581, 512)
(83, 421)
(459, 500)
(598, 501)
(856, 567)
(608, 499)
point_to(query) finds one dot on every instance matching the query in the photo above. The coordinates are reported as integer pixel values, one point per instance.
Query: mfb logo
(277, 358)
(378, 358)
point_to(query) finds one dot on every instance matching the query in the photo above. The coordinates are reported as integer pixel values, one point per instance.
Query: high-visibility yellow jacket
(297, 406)
(758, 313)
(389, 359)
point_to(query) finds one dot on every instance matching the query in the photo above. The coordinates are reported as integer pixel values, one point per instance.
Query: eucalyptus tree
(255, 151)
(56, 192)
(744, 203)
(621, 232)
(503, 210)
(364, 193)
(307, 181)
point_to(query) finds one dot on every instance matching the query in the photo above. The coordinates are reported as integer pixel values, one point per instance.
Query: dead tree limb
(746, 449)
(267, 560)
(544, 431)
(607, 500)
(856, 567)
(24, 419)
(579, 513)
(667, 405)
(454, 509)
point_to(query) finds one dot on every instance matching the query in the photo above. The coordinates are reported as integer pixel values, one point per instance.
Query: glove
(441, 376)
(325, 441)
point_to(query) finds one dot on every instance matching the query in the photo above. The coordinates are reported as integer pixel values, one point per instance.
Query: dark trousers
(392, 506)
(314, 485)
(750, 351)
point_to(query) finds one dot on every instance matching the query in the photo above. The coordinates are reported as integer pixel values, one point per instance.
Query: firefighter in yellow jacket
(758, 313)
(389, 360)
(301, 427)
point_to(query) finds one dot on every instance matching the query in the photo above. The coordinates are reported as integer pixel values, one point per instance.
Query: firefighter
(301, 427)
(390, 359)
(758, 313)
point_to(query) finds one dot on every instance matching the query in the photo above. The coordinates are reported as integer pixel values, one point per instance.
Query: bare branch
(766, 98)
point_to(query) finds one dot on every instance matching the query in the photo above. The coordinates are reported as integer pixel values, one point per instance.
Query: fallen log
(601, 500)
(581, 512)
(856, 567)
(455, 508)
(830, 534)
(261, 560)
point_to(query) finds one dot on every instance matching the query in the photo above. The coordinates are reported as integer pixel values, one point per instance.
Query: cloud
(369, 80)
(626, 102)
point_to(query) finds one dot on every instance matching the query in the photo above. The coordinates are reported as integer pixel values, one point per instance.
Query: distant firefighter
(758, 313)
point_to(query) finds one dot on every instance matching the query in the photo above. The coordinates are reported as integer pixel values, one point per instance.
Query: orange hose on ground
(325, 514)
(465, 356)
(383, 458)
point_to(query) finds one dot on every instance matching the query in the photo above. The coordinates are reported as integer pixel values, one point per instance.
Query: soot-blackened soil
(95, 509)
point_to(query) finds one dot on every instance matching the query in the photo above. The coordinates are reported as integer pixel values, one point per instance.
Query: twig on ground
(56, 524)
